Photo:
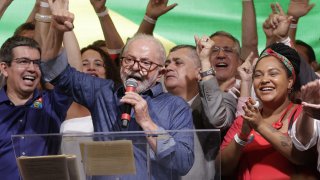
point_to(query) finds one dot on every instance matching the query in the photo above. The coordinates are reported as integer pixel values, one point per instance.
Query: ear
(4, 68)
(314, 65)
(162, 71)
(290, 84)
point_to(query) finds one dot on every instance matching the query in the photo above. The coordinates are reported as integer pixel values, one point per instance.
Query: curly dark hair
(294, 58)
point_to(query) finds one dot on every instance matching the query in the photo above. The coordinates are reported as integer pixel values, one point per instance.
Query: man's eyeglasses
(144, 65)
(226, 50)
(25, 62)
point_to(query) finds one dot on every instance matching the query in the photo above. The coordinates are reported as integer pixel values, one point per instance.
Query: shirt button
(22, 137)
(23, 153)
(21, 120)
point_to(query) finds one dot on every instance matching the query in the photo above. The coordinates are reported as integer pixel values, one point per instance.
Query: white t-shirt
(315, 140)
(77, 125)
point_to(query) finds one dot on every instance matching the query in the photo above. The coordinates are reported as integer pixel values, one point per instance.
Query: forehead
(268, 63)
(223, 41)
(25, 51)
(184, 54)
(91, 54)
(143, 48)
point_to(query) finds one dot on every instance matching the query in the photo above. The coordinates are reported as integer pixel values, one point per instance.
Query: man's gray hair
(230, 36)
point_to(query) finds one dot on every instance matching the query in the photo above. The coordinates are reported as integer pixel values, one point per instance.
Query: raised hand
(267, 28)
(299, 8)
(277, 25)
(98, 5)
(310, 96)
(246, 69)
(157, 8)
(204, 47)
(62, 19)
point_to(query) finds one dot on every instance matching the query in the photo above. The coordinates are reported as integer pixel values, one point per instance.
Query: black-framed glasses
(25, 62)
(226, 50)
(144, 64)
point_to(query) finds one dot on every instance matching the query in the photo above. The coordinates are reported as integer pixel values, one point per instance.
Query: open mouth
(221, 65)
(266, 89)
(29, 78)
(93, 74)
(138, 78)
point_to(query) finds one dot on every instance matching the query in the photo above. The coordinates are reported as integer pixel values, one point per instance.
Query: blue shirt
(40, 115)
(174, 156)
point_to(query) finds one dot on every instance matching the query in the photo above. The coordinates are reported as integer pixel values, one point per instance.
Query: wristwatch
(208, 72)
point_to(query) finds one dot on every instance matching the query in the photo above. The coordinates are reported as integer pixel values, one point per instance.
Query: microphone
(131, 85)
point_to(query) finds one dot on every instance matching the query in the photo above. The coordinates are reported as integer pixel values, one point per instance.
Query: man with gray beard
(152, 109)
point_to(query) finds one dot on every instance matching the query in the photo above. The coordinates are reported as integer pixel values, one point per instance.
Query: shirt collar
(191, 100)
(5, 98)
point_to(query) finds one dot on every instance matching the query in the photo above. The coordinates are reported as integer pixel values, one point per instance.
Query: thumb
(168, 8)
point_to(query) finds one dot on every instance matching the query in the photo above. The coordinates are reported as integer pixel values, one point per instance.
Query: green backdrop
(178, 26)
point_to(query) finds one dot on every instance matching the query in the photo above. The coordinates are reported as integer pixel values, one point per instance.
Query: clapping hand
(310, 96)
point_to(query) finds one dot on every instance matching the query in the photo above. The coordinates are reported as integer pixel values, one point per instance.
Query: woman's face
(270, 80)
(92, 63)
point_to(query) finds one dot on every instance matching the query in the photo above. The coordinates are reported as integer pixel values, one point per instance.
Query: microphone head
(131, 82)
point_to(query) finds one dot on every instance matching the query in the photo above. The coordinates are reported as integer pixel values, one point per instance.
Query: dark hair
(112, 71)
(177, 47)
(28, 26)
(6, 54)
(294, 58)
(99, 43)
(193, 52)
(310, 52)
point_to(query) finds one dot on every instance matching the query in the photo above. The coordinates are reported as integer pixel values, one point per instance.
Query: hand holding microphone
(131, 85)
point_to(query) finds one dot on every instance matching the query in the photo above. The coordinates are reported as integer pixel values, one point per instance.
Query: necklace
(277, 125)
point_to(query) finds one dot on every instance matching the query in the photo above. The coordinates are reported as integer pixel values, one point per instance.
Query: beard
(144, 82)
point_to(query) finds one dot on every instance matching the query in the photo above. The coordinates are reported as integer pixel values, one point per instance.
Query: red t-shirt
(259, 159)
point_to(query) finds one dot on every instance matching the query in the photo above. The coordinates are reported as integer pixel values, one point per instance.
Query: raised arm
(219, 106)
(297, 9)
(249, 30)
(35, 9)
(4, 4)
(276, 27)
(61, 21)
(113, 40)
(245, 72)
(72, 47)
(155, 9)
(42, 22)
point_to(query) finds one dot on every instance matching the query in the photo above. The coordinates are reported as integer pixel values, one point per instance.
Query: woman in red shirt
(257, 146)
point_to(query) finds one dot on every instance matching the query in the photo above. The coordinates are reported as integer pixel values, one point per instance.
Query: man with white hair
(152, 109)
